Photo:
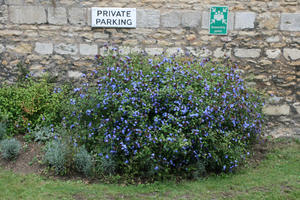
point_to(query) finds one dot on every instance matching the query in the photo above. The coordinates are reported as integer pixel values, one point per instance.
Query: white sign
(114, 17)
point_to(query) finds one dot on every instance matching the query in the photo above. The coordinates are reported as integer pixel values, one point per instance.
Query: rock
(43, 48)
(290, 22)
(88, 50)
(57, 16)
(247, 53)
(273, 53)
(77, 16)
(66, 49)
(244, 20)
(171, 19)
(154, 51)
(297, 107)
(27, 14)
(74, 74)
(191, 19)
(147, 18)
(276, 110)
(291, 54)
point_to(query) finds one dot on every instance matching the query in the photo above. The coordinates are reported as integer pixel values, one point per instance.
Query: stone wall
(263, 39)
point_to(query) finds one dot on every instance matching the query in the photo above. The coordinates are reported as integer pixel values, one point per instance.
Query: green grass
(276, 177)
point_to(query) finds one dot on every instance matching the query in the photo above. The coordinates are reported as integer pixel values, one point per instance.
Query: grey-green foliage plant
(83, 161)
(56, 156)
(10, 148)
(2, 130)
(42, 134)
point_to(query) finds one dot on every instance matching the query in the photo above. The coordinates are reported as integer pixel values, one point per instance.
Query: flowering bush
(164, 115)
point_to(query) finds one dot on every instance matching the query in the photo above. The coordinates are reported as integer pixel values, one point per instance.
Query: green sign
(218, 20)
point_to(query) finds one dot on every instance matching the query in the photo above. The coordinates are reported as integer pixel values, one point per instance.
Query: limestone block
(148, 18)
(247, 53)
(27, 14)
(205, 20)
(74, 74)
(57, 16)
(14, 2)
(244, 20)
(273, 53)
(20, 48)
(43, 48)
(290, 22)
(174, 51)
(154, 51)
(220, 53)
(291, 54)
(273, 39)
(88, 50)
(276, 110)
(297, 107)
(191, 18)
(171, 19)
(99, 35)
(2, 48)
(66, 49)
(78, 16)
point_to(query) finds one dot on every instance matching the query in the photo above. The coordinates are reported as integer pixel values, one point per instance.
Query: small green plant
(42, 134)
(56, 156)
(2, 130)
(10, 148)
(83, 161)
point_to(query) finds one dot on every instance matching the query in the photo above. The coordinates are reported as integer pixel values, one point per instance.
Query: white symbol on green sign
(218, 20)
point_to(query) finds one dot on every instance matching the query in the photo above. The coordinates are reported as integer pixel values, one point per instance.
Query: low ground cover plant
(154, 117)
(10, 148)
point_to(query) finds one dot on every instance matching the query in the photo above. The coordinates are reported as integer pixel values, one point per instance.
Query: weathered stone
(244, 20)
(230, 21)
(268, 20)
(276, 110)
(297, 107)
(77, 16)
(247, 53)
(273, 39)
(204, 52)
(273, 53)
(171, 19)
(275, 99)
(191, 19)
(290, 22)
(154, 51)
(291, 54)
(2, 48)
(174, 51)
(27, 14)
(43, 48)
(21, 48)
(205, 20)
(14, 2)
(264, 62)
(57, 16)
(66, 49)
(88, 50)
(147, 18)
(222, 53)
(74, 74)
(99, 35)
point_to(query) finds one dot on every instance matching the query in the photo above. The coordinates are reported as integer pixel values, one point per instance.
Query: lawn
(276, 176)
